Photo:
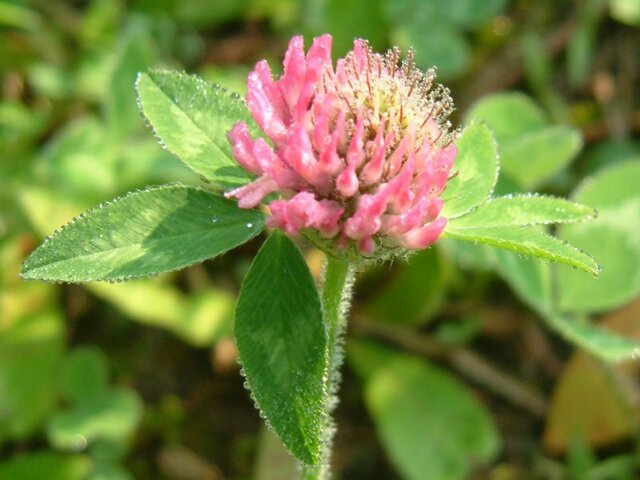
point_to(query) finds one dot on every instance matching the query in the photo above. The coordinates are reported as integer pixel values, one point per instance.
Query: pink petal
(347, 182)
(329, 160)
(361, 58)
(366, 220)
(372, 171)
(299, 155)
(424, 236)
(242, 144)
(251, 194)
(355, 154)
(320, 50)
(295, 67)
(405, 146)
(283, 176)
(272, 91)
(367, 246)
(318, 59)
(426, 210)
(304, 211)
(400, 195)
(262, 110)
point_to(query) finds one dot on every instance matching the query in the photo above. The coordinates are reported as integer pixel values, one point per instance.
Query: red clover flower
(359, 155)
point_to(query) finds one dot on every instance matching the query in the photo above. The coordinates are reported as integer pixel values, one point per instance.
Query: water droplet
(214, 219)
(79, 443)
(249, 225)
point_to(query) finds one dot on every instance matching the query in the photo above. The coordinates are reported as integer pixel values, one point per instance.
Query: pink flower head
(359, 154)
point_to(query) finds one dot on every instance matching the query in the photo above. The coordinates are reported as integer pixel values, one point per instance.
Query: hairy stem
(336, 299)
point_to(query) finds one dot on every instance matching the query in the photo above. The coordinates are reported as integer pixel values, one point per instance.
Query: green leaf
(509, 114)
(135, 52)
(85, 375)
(431, 426)
(612, 237)
(112, 417)
(437, 43)
(31, 350)
(537, 156)
(414, 292)
(470, 13)
(282, 344)
(200, 319)
(468, 256)
(45, 464)
(477, 171)
(463, 13)
(531, 151)
(529, 278)
(523, 210)
(106, 471)
(144, 233)
(608, 153)
(597, 341)
(337, 17)
(80, 160)
(527, 241)
(191, 118)
(625, 11)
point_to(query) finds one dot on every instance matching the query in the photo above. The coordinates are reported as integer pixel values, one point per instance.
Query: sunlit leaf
(523, 210)
(527, 241)
(191, 118)
(199, 318)
(477, 171)
(282, 342)
(626, 11)
(144, 233)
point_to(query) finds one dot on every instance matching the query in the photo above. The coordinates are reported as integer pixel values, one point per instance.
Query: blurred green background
(139, 380)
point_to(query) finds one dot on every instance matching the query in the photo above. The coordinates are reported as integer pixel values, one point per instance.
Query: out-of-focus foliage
(531, 151)
(112, 381)
(409, 397)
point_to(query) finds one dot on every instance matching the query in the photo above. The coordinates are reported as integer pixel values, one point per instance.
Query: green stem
(336, 298)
